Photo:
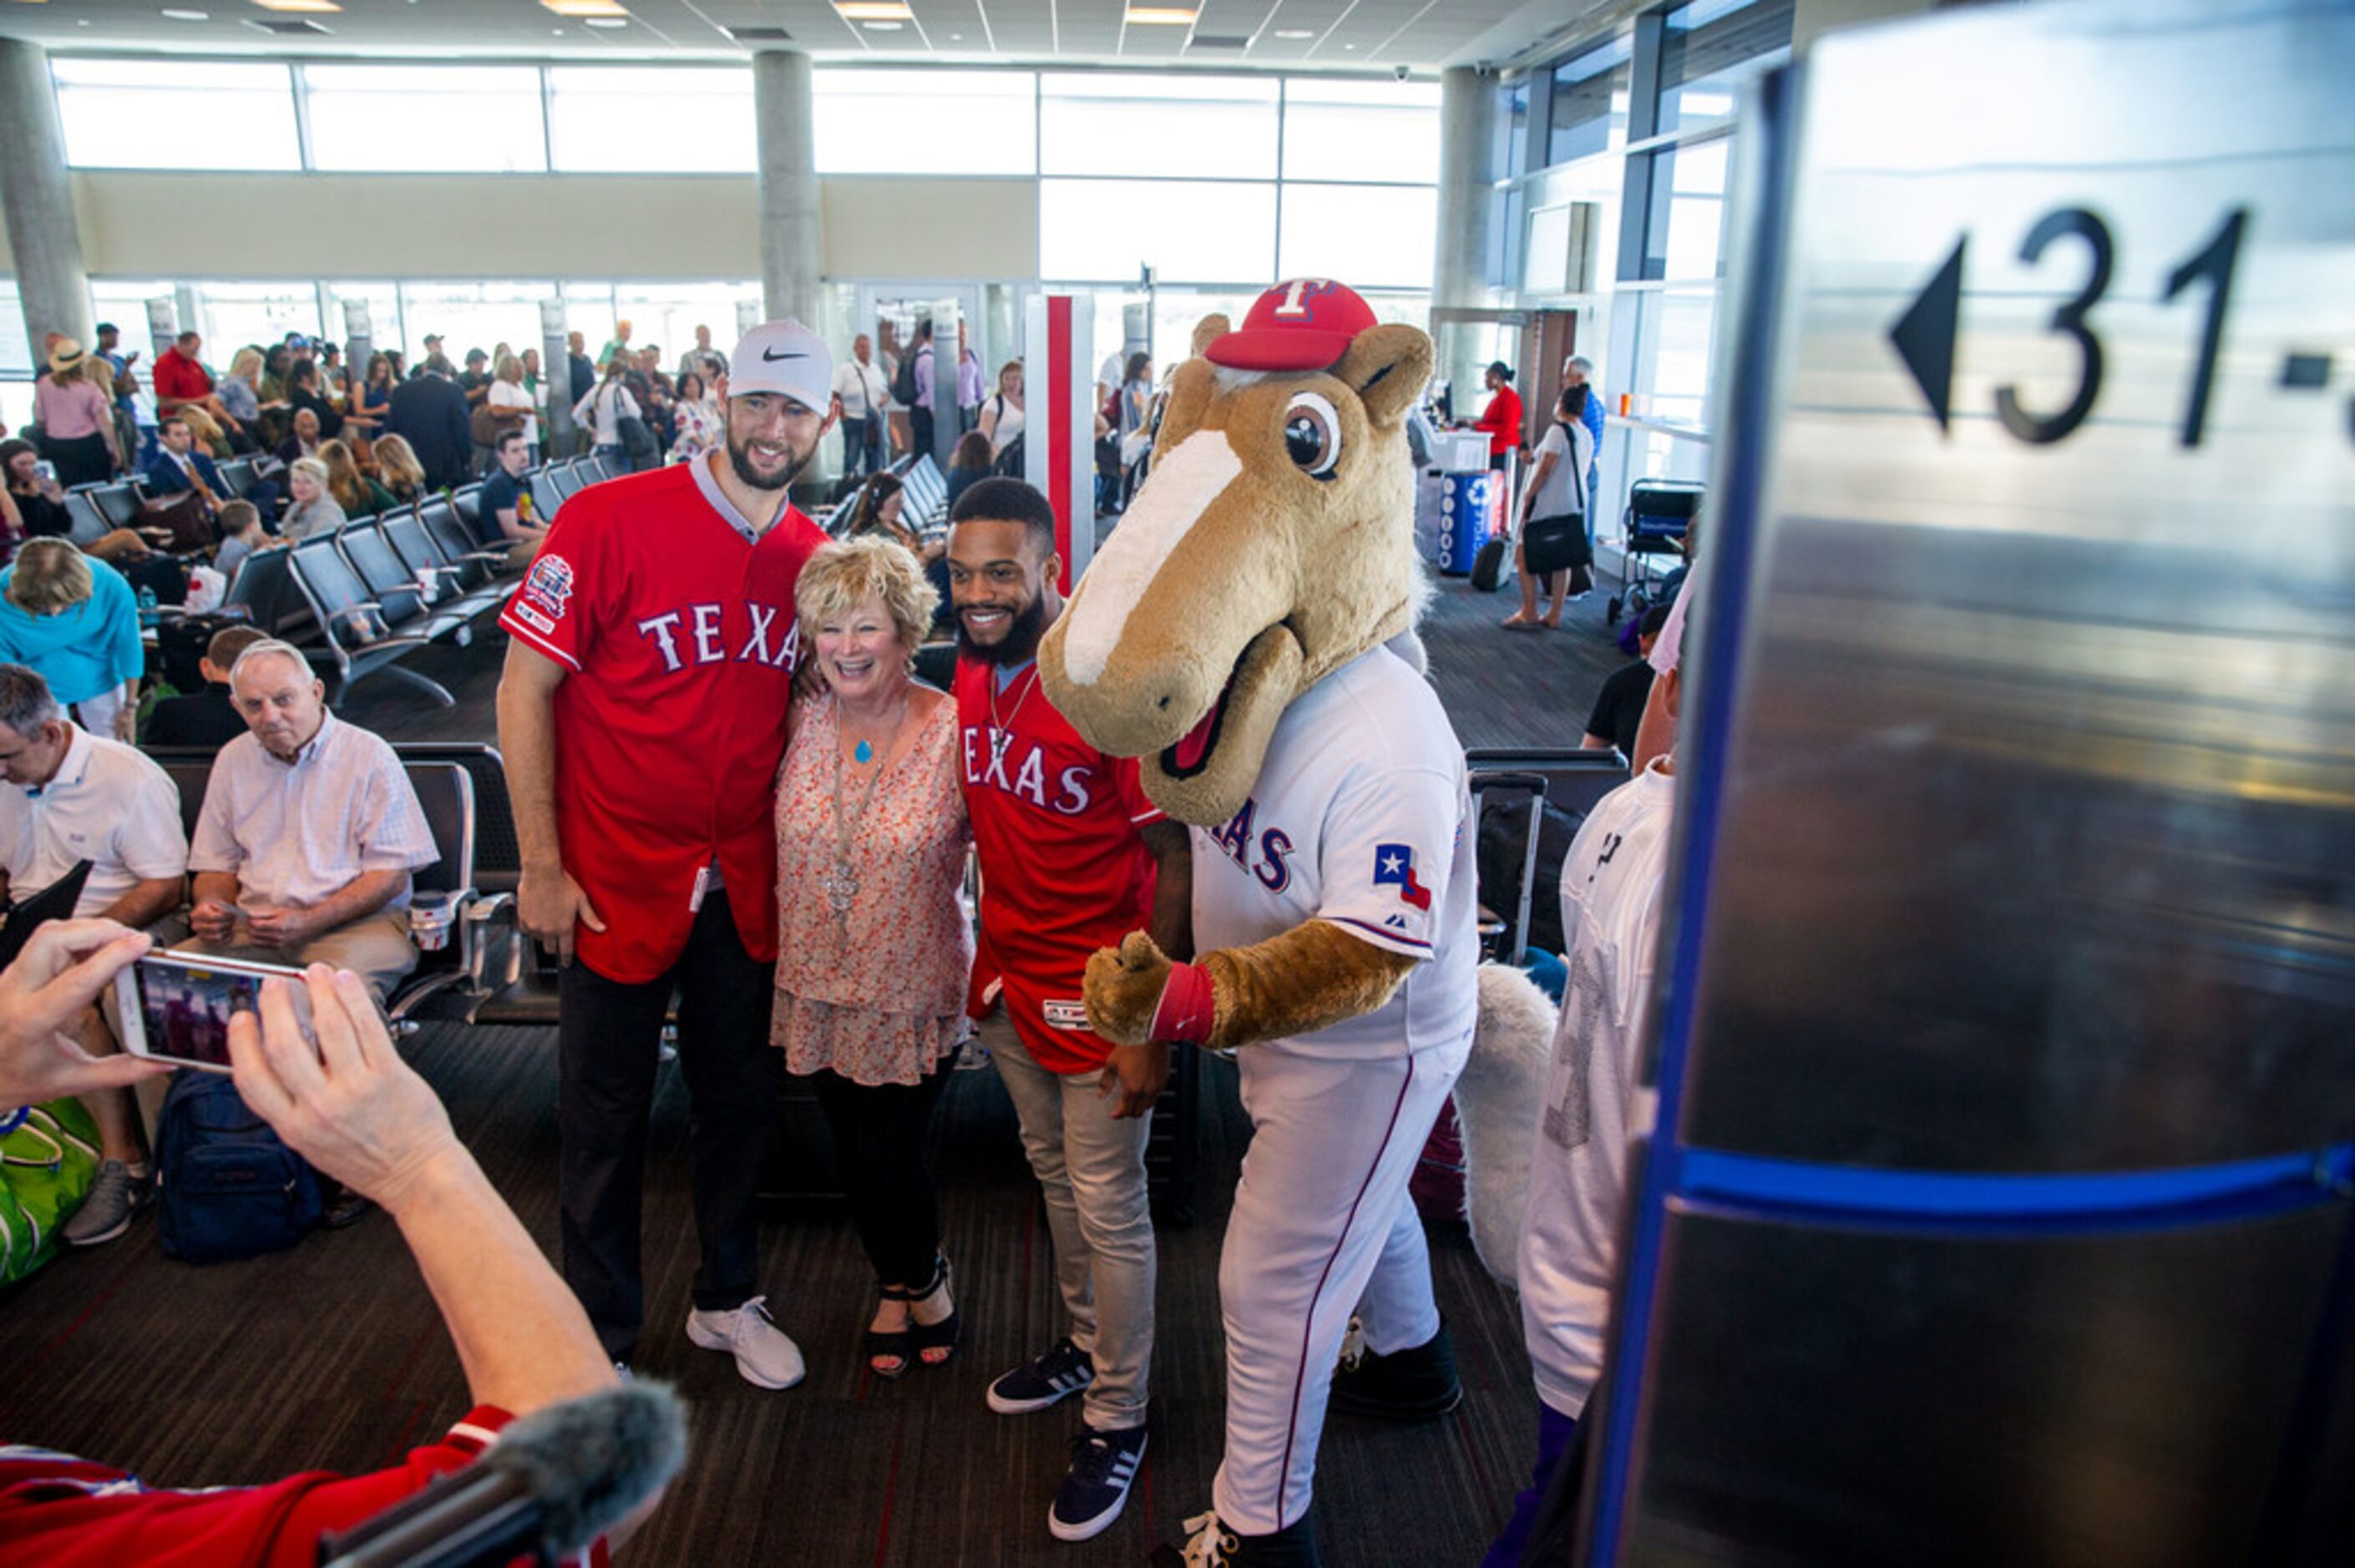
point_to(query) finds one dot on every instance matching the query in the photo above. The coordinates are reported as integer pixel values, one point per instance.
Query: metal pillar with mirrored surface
(1998, 1210)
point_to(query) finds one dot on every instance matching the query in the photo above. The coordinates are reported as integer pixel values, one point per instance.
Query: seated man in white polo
(308, 834)
(68, 796)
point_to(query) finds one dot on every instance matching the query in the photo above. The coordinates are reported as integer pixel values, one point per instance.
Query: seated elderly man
(68, 796)
(308, 834)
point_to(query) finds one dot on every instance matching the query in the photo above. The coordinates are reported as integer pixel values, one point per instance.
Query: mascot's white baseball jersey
(1361, 818)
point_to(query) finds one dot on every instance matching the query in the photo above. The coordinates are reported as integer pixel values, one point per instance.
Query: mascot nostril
(1235, 634)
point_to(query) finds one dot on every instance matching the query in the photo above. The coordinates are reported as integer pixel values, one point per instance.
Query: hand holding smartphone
(176, 1007)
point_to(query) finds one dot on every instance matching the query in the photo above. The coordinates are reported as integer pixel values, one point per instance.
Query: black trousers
(83, 460)
(880, 1140)
(607, 1037)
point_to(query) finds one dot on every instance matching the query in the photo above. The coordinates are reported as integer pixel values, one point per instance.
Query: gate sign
(1999, 1208)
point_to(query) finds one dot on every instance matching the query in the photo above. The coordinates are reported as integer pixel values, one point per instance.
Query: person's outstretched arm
(355, 1110)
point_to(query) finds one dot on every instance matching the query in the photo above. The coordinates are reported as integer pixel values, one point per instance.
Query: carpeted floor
(331, 1356)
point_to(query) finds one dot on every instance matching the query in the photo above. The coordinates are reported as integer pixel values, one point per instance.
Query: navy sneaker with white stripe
(1050, 1379)
(1103, 1464)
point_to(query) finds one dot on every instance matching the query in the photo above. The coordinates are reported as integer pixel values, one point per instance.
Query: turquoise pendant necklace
(863, 752)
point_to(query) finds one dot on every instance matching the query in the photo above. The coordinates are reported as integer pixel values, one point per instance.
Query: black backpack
(903, 381)
(181, 641)
(227, 1186)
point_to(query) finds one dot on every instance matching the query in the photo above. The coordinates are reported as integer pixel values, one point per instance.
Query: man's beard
(753, 477)
(1024, 628)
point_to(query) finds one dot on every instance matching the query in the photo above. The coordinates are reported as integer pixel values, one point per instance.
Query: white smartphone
(176, 1007)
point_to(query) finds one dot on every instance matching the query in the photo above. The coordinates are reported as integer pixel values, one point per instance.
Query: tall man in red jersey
(1072, 855)
(643, 715)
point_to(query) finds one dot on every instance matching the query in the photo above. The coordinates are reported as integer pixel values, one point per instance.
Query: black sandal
(940, 1336)
(893, 1344)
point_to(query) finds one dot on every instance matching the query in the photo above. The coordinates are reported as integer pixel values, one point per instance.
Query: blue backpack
(228, 1188)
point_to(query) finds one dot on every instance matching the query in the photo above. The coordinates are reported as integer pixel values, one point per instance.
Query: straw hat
(66, 355)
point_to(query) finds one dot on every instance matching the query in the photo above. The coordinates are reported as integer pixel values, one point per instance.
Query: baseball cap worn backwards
(1303, 323)
(786, 357)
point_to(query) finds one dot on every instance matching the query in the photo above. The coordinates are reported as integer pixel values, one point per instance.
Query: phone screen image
(186, 1009)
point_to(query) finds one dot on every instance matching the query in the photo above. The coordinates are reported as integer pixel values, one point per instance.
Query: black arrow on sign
(1924, 334)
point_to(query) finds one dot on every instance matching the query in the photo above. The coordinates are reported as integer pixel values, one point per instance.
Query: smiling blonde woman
(874, 947)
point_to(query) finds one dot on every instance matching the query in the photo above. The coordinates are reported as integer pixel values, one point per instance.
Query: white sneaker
(765, 1357)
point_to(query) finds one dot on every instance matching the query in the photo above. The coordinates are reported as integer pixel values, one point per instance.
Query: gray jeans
(1092, 1169)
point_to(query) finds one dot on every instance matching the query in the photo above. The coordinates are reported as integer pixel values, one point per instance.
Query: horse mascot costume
(1248, 632)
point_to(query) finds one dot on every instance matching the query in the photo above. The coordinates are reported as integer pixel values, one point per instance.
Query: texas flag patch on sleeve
(1394, 867)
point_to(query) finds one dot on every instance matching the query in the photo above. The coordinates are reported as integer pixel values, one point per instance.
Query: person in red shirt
(182, 382)
(1502, 417)
(353, 1108)
(642, 712)
(1073, 857)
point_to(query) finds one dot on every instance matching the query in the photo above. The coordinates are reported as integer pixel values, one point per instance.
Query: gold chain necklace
(840, 884)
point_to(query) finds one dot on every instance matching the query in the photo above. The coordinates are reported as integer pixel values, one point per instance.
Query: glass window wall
(1374, 131)
(644, 117)
(1707, 48)
(1133, 124)
(164, 114)
(447, 119)
(231, 316)
(1686, 237)
(1588, 113)
(926, 122)
(1187, 230)
(1373, 236)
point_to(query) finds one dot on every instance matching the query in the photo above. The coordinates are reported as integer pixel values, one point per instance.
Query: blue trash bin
(1465, 504)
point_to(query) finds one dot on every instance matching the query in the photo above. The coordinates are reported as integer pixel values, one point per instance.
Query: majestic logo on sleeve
(549, 584)
(1394, 867)
(547, 590)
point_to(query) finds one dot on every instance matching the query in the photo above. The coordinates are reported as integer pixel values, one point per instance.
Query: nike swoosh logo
(771, 353)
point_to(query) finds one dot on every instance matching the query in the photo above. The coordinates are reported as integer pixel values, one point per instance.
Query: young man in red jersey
(1073, 857)
(643, 715)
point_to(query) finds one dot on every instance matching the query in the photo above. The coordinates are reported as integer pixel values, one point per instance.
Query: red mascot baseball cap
(1302, 324)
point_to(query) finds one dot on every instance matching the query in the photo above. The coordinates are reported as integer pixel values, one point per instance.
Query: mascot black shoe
(1418, 1383)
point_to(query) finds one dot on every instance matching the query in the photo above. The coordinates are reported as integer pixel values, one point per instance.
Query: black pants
(80, 461)
(878, 1137)
(607, 1035)
(919, 430)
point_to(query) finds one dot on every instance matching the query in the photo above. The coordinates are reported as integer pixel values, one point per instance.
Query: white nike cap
(783, 356)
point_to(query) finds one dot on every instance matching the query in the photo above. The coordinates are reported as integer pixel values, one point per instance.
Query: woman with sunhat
(77, 420)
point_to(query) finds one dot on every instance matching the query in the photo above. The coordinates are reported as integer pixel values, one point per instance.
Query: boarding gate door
(1999, 1207)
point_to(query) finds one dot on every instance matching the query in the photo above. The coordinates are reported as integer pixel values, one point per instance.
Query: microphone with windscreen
(553, 1483)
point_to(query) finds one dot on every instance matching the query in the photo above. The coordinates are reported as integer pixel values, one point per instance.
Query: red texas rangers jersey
(60, 1510)
(1361, 818)
(1064, 868)
(676, 622)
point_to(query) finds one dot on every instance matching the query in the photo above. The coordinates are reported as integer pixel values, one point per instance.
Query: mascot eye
(1312, 434)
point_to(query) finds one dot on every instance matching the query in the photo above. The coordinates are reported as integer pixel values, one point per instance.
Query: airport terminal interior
(1932, 424)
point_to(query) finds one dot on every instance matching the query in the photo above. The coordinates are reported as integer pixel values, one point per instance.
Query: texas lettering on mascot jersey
(1064, 870)
(658, 588)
